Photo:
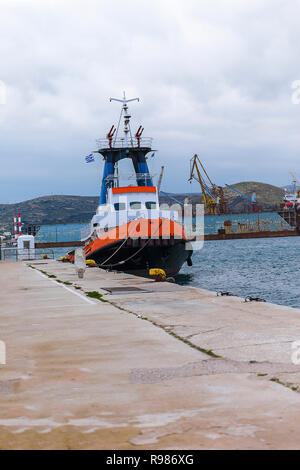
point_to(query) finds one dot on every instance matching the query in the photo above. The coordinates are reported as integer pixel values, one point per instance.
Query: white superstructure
(126, 204)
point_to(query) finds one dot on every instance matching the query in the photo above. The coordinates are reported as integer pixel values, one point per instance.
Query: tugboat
(129, 231)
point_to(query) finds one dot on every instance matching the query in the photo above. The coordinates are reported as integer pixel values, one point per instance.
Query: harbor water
(261, 267)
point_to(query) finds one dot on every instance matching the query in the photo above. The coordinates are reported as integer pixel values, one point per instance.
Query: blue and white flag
(90, 158)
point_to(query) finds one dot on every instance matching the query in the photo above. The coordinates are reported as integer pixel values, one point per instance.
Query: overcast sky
(214, 78)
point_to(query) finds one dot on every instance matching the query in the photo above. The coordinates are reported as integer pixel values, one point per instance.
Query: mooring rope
(125, 240)
(134, 254)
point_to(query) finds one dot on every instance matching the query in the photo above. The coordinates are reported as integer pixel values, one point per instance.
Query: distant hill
(49, 209)
(68, 209)
(267, 195)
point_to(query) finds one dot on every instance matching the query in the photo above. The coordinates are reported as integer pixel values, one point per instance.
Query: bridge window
(120, 206)
(135, 205)
(150, 205)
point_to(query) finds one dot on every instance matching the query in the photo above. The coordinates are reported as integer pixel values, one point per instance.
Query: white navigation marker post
(26, 247)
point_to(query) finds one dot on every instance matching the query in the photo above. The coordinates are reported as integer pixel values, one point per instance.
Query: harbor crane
(213, 196)
(296, 182)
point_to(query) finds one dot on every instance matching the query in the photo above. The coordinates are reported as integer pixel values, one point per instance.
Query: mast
(114, 148)
(126, 116)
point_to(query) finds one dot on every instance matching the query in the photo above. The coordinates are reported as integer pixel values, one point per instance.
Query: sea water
(261, 267)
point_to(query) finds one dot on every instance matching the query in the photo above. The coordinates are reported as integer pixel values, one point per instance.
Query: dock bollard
(79, 262)
(158, 274)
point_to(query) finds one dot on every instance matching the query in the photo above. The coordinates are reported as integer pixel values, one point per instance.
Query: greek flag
(90, 158)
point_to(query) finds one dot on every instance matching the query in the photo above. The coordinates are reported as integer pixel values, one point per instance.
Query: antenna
(124, 100)
(126, 114)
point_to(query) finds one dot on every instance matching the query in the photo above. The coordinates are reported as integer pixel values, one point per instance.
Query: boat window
(120, 206)
(135, 205)
(150, 205)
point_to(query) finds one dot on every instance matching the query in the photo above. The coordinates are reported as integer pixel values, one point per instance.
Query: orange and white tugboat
(129, 231)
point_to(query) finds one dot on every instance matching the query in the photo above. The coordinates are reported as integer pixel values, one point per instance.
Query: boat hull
(139, 256)
(141, 245)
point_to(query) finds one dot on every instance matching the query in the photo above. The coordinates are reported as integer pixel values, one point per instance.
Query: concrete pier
(141, 365)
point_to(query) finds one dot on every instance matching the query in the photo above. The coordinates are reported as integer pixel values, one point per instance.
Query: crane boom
(194, 167)
(241, 194)
(160, 178)
(171, 197)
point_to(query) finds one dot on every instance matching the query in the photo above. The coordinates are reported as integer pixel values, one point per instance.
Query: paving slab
(168, 367)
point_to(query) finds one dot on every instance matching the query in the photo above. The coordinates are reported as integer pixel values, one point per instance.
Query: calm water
(263, 267)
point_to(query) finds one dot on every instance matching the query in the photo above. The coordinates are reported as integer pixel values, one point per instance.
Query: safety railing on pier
(145, 142)
(18, 254)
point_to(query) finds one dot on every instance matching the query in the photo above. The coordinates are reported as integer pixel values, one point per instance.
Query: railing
(17, 254)
(145, 142)
(60, 233)
(129, 177)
